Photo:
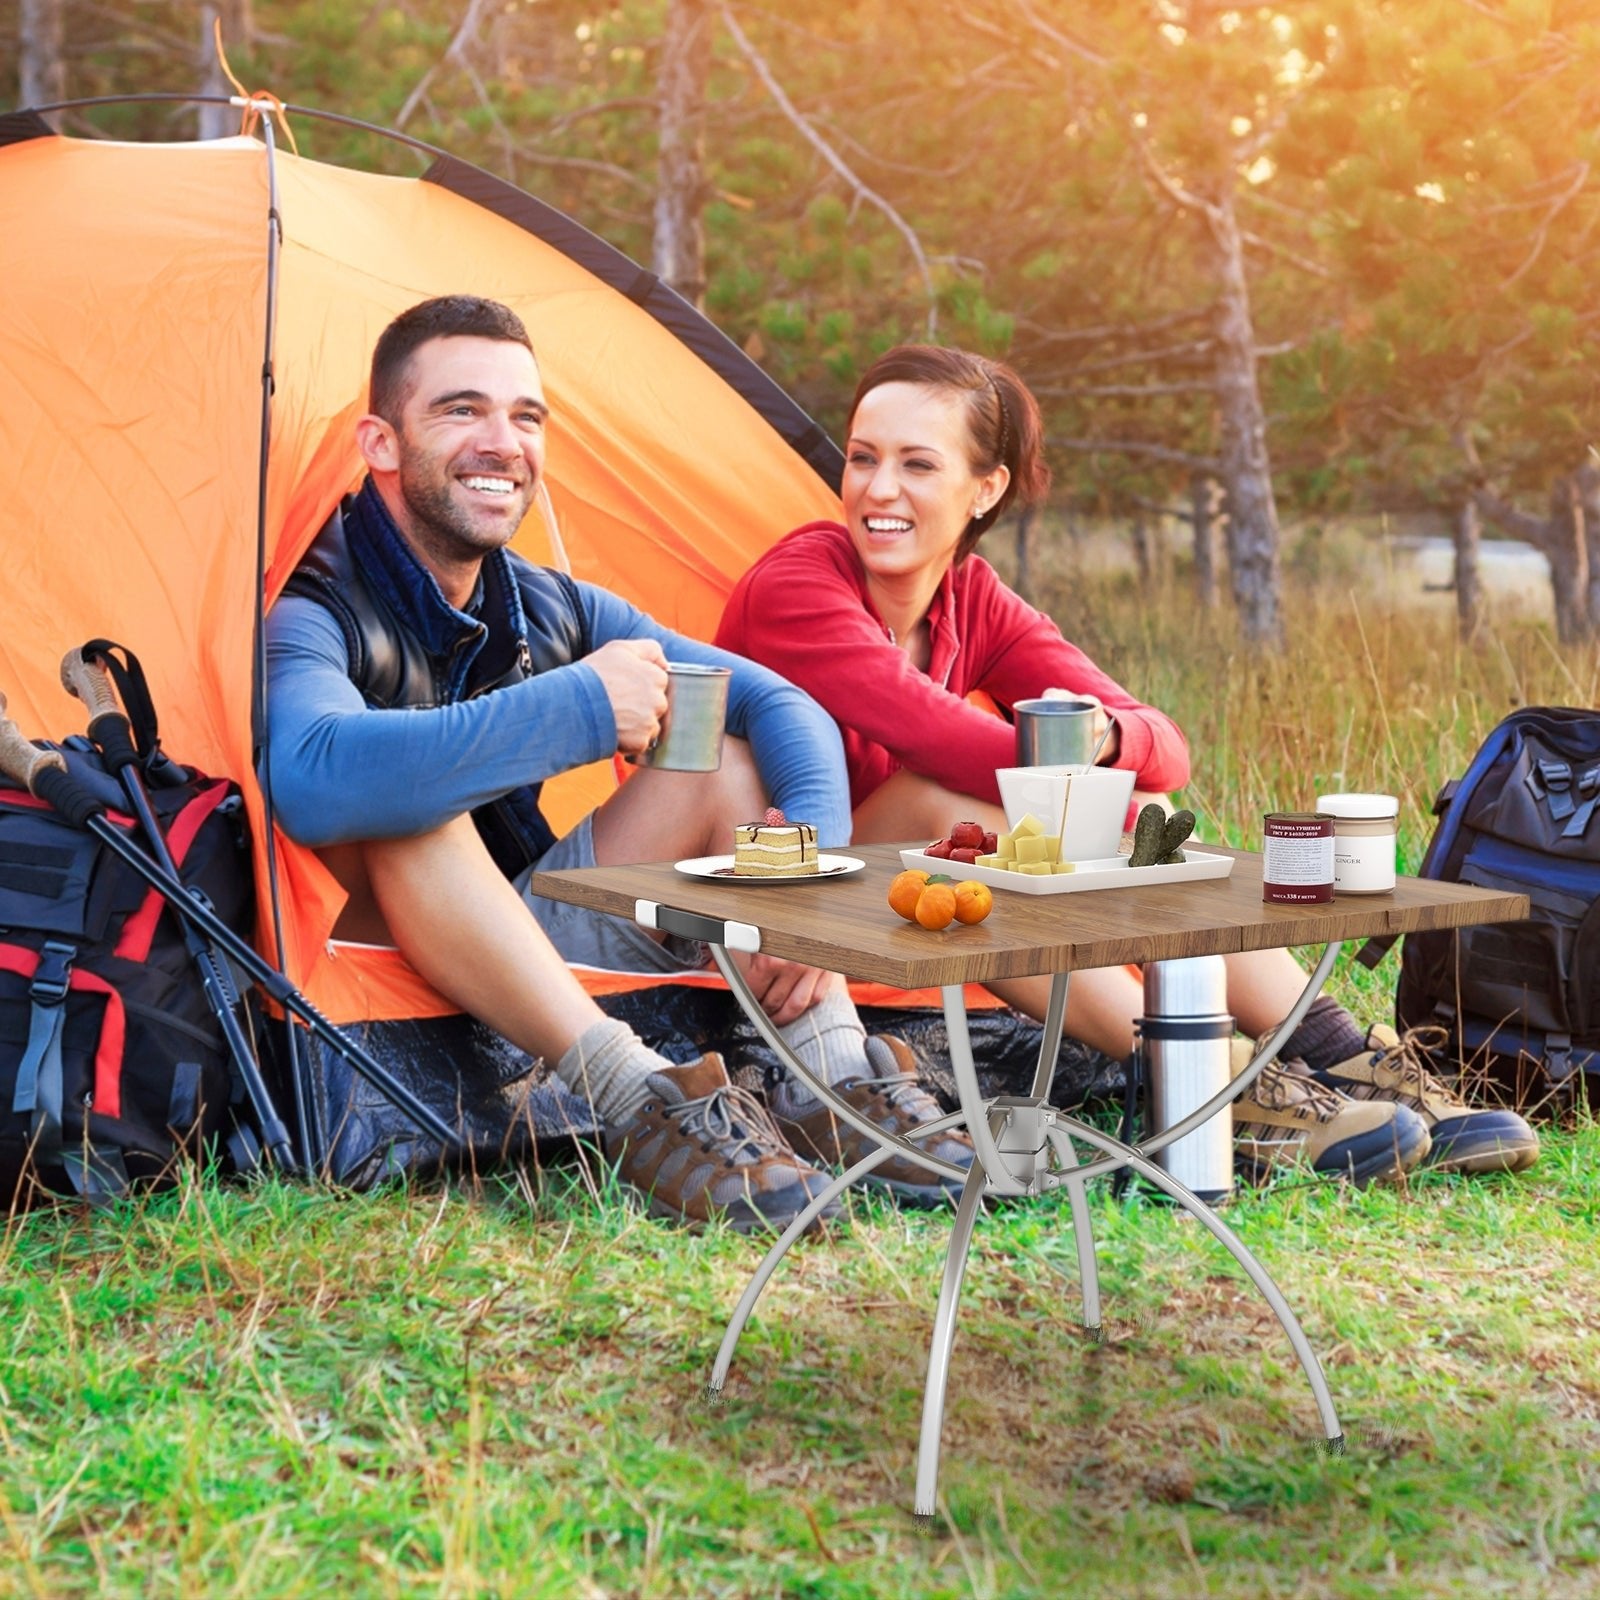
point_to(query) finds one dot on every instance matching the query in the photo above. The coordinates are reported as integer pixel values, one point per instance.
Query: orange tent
(134, 281)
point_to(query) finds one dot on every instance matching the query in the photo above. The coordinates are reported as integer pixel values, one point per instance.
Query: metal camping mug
(1184, 1036)
(691, 729)
(1054, 733)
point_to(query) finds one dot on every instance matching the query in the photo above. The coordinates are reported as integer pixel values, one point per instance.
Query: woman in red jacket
(890, 620)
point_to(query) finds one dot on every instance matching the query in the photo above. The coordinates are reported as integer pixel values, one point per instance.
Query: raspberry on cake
(774, 848)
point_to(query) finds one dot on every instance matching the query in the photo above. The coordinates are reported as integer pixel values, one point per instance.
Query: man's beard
(446, 526)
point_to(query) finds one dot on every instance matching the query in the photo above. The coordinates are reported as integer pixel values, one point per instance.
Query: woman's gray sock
(1327, 1035)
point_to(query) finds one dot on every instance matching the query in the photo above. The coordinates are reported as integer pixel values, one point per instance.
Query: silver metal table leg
(944, 1335)
(1225, 1098)
(1082, 1223)
(1055, 1012)
(780, 1248)
(1219, 1230)
(842, 1109)
(1083, 1233)
(991, 1171)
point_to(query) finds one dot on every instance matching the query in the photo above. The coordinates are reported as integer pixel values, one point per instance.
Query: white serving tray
(1112, 872)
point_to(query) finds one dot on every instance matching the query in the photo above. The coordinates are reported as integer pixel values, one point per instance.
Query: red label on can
(1297, 858)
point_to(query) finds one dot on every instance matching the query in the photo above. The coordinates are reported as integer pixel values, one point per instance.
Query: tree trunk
(1469, 584)
(1561, 540)
(1246, 470)
(212, 122)
(1203, 519)
(1025, 520)
(238, 31)
(1568, 554)
(42, 69)
(1587, 479)
(1141, 550)
(678, 252)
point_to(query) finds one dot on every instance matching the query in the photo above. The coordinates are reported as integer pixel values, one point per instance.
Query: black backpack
(1521, 997)
(111, 1060)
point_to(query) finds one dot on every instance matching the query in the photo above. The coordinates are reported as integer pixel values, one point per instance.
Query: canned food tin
(1297, 858)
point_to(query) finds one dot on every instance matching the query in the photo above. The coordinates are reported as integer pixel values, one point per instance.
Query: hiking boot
(700, 1149)
(1465, 1138)
(893, 1100)
(1289, 1116)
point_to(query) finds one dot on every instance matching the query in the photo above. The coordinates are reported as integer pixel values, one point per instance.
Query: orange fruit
(974, 901)
(904, 890)
(936, 905)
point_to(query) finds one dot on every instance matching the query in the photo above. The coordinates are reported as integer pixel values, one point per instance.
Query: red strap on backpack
(139, 931)
(113, 1031)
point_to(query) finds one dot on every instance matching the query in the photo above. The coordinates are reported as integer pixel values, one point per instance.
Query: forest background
(1337, 256)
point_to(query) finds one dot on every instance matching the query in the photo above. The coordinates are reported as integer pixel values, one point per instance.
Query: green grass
(432, 1391)
(269, 1392)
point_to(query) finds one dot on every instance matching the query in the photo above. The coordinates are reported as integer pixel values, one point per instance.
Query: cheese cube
(997, 862)
(1036, 849)
(1034, 869)
(1030, 827)
(1066, 866)
(1005, 846)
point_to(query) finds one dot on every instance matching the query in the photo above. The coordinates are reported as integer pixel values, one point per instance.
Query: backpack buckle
(1551, 781)
(1558, 1057)
(1589, 791)
(53, 977)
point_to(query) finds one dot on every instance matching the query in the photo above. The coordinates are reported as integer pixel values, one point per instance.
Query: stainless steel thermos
(1184, 1036)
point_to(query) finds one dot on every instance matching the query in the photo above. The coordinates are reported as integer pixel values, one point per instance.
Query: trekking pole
(44, 774)
(84, 675)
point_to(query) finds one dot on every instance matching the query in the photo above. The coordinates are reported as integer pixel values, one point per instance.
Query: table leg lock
(1019, 1123)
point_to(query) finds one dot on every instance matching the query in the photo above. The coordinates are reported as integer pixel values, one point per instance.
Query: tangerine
(936, 905)
(974, 901)
(904, 890)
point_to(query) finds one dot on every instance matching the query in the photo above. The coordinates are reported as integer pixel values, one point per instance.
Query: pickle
(1178, 828)
(1177, 858)
(1148, 834)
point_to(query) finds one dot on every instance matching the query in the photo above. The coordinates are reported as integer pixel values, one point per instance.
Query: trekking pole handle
(91, 683)
(20, 759)
(85, 676)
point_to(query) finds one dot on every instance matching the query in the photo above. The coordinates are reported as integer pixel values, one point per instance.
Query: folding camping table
(846, 925)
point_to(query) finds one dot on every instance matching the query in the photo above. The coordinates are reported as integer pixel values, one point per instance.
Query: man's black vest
(539, 626)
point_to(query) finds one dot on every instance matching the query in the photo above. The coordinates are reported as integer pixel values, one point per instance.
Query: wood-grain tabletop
(846, 925)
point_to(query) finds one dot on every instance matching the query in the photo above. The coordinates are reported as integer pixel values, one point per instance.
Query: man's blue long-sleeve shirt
(342, 770)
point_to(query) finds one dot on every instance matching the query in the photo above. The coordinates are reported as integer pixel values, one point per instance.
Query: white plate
(1111, 872)
(721, 869)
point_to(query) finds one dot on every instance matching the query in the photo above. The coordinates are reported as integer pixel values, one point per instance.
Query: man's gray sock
(608, 1065)
(832, 1043)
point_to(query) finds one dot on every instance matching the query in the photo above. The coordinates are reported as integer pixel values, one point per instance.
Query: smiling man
(425, 682)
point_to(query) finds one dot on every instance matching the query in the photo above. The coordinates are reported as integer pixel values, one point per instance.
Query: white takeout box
(1095, 799)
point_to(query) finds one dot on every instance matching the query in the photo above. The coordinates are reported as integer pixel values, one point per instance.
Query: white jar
(1363, 841)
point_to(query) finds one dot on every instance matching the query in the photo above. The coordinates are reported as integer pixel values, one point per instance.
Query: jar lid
(1358, 805)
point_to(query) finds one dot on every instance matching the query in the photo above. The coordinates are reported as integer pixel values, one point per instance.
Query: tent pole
(311, 1151)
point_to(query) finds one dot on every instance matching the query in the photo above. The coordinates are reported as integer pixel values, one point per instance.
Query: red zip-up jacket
(804, 611)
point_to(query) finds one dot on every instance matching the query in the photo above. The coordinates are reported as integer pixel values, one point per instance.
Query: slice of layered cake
(774, 848)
